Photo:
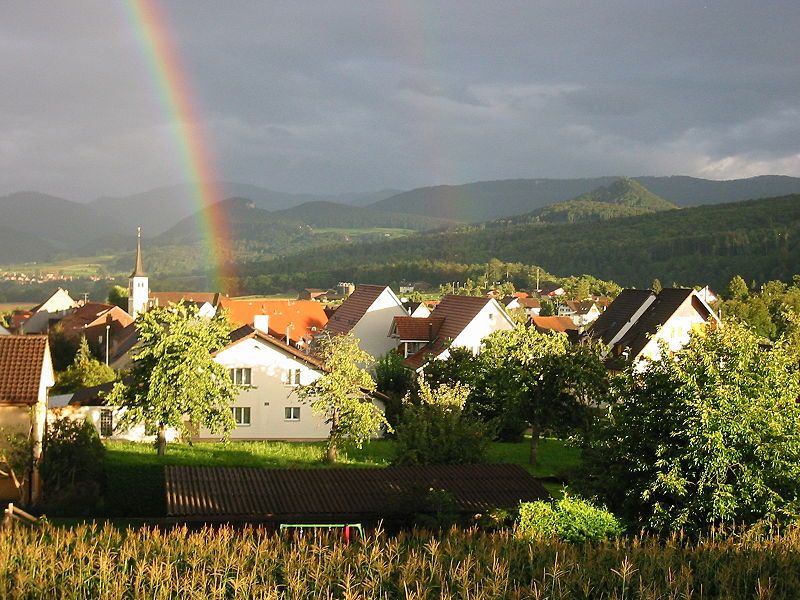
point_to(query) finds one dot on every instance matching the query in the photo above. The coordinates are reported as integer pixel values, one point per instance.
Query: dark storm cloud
(352, 96)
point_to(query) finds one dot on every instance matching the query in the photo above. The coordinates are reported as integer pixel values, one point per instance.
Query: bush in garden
(72, 464)
(437, 430)
(570, 519)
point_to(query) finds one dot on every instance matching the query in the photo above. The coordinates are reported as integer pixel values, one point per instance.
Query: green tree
(543, 379)
(343, 394)
(737, 288)
(709, 437)
(437, 430)
(118, 296)
(394, 380)
(85, 371)
(174, 380)
(656, 286)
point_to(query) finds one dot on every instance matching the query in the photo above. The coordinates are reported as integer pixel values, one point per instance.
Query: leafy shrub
(569, 519)
(438, 431)
(72, 465)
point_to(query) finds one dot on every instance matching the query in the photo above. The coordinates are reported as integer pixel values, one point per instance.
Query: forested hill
(622, 198)
(488, 200)
(758, 239)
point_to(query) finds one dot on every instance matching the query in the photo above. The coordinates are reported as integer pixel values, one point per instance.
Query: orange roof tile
(304, 318)
(21, 361)
(554, 324)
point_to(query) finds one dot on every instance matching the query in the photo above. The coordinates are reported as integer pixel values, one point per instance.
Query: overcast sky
(333, 97)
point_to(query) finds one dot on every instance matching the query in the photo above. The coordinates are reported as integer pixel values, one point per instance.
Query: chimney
(430, 332)
(261, 323)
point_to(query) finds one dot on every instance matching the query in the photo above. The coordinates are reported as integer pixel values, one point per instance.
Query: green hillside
(490, 200)
(759, 239)
(622, 198)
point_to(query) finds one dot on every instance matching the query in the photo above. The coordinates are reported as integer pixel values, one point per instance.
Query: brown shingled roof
(21, 360)
(337, 495)
(352, 309)
(457, 312)
(417, 329)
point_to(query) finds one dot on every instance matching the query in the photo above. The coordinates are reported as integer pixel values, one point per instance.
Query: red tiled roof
(94, 313)
(553, 323)
(304, 318)
(529, 303)
(412, 329)
(21, 360)
(338, 495)
(355, 307)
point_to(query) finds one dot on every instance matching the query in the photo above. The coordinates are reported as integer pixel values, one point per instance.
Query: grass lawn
(135, 478)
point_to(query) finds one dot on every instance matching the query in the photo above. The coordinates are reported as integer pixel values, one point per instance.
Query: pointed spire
(138, 269)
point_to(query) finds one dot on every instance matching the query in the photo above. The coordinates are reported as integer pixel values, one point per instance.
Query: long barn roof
(339, 494)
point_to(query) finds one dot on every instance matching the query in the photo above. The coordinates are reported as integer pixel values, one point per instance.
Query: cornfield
(90, 561)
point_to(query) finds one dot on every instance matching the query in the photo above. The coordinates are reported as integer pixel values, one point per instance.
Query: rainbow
(193, 148)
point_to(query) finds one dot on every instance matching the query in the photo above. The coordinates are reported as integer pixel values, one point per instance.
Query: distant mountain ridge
(159, 209)
(623, 198)
(490, 200)
(758, 239)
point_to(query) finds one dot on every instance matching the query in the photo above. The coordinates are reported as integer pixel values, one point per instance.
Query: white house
(638, 321)
(581, 312)
(26, 374)
(457, 321)
(416, 309)
(368, 314)
(56, 307)
(270, 371)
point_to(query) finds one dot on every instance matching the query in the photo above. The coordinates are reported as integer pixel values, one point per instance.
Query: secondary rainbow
(189, 136)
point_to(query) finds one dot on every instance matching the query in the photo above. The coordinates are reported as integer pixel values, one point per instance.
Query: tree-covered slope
(759, 239)
(489, 200)
(622, 198)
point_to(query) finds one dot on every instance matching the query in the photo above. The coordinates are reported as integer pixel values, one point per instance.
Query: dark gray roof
(668, 301)
(337, 494)
(618, 313)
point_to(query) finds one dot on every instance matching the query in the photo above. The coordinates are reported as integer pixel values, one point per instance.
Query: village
(271, 354)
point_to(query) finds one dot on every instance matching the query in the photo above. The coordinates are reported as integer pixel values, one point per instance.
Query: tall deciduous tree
(174, 381)
(343, 394)
(710, 436)
(543, 378)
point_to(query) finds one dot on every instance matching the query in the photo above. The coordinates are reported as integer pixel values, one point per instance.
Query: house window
(293, 377)
(106, 423)
(241, 376)
(241, 414)
(292, 413)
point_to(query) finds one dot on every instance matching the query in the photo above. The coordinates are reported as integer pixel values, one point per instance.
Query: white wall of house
(106, 421)
(372, 330)
(491, 318)
(56, 306)
(270, 393)
(590, 316)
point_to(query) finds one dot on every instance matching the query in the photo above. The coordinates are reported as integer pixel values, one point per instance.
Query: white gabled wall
(372, 330)
(57, 305)
(269, 394)
(489, 319)
(676, 332)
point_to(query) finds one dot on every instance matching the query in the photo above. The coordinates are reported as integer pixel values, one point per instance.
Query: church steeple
(138, 269)
(138, 287)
